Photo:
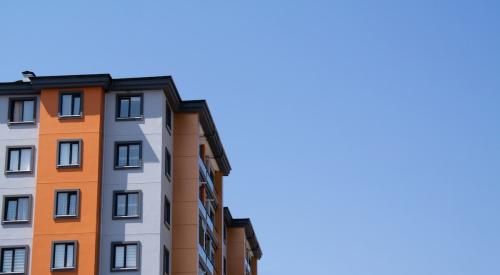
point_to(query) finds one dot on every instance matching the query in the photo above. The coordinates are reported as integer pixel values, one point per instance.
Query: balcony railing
(204, 215)
(205, 259)
(206, 175)
(248, 269)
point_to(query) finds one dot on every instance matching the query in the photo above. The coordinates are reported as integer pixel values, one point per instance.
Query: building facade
(109, 176)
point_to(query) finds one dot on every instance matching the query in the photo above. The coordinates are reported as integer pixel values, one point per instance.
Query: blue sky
(363, 135)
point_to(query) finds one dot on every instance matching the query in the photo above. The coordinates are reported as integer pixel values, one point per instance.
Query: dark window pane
(76, 105)
(11, 210)
(14, 160)
(133, 204)
(28, 108)
(134, 155)
(62, 202)
(64, 152)
(119, 256)
(122, 155)
(124, 107)
(8, 255)
(17, 112)
(59, 255)
(121, 207)
(135, 106)
(66, 105)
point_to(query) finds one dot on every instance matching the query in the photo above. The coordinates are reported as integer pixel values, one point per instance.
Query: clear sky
(364, 136)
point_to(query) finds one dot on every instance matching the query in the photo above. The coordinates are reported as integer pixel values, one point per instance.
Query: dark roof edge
(249, 232)
(207, 122)
(71, 81)
(17, 88)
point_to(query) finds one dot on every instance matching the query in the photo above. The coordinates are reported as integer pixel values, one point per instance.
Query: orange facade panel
(84, 229)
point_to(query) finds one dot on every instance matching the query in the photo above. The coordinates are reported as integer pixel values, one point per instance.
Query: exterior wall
(236, 251)
(150, 180)
(84, 229)
(166, 188)
(254, 266)
(185, 189)
(219, 224)
(17, 234)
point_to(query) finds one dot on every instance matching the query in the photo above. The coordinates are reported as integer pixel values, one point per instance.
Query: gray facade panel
(149, 179)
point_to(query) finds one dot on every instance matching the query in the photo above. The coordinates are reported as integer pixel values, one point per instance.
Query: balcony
(248, 269)
(206, 174)
(204, 215)
(205, 260)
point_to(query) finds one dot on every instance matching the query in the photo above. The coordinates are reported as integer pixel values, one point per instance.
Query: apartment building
(109, 176)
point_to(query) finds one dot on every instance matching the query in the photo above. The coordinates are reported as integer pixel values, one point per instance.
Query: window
(126, 204)
(70, 104)
(64, 255)
(13, 260)
(168, 116)
(168, 163)
(124, 256)
(19, 159)
(225, 234)
(166, 261)
(225, 266)
(22, 110)
(16, 209)
(166, 212)
(69, 153)
(129, 107)
(66, 203)
(128, 154)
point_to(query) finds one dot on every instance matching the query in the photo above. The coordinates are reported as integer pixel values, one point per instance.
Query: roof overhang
(249, 232)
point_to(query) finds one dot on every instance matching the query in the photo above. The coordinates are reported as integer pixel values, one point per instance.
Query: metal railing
(205, 216)
(205, 259)
(204, 171)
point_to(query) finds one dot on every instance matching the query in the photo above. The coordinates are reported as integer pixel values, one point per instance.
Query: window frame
(116, 158)
(137, 259)
(75, 255)
(118, 106)
(126, 192)
(168, 117)
(168, 163)
(6, 198)
(166, 264)
(77, 206)
(11, 110)
(7, 159)
(12, 247)
(167, 219)
(80, 153)
(72, 93)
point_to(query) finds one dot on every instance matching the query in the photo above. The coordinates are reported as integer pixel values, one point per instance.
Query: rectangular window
(16, 209)
(168, 163)
(13, 260)
(66, 204)
(124, 256)
(166, 212)
(166, 261)
(69, 153)
(129, 107)
(225, 266)
(126, 204)
(19, 159)
(70, 104)
(64, 255)
(168, 116)
(128, 154)
(22, 110)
